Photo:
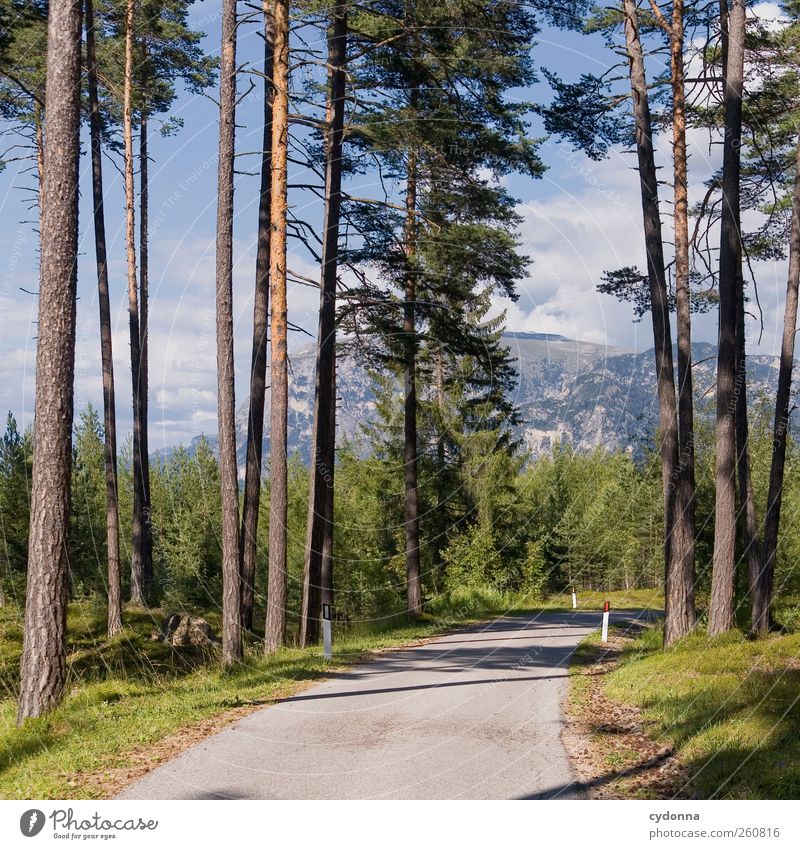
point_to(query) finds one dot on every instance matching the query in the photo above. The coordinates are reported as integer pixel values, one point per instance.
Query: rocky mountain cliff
(568, 391)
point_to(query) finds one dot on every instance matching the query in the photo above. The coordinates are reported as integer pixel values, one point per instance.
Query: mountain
(573, 392)
(590, 395)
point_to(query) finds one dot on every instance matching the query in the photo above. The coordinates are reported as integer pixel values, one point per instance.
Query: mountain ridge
(582, 393)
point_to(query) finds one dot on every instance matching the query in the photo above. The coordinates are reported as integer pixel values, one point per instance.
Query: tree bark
(43, 665)
(226, 403)
(319, 535)
(763, 586)
(747, 509)
(275, 631)
(107, 360)
(144, 311)
(258, 370)
(413, 570)
(137, 548)
(668, 422)
(721, 612)
(37, 111)
(681, 618)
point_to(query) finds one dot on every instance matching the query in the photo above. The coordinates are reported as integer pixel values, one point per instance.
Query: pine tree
(167, 50)
(226, 406)
(106, 353)
(146, 47)
(587, 114)
(275, 631)
(318, 559)
(43, 666)
(258, 367)
(721, 611)
(139, 529)
(770, 186)
(682, 616)
(432, 131)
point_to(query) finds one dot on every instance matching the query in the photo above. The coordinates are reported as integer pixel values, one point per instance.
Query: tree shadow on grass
(750, 726)
(731, 705)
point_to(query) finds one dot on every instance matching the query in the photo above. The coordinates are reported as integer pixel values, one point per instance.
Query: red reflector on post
(605, 607)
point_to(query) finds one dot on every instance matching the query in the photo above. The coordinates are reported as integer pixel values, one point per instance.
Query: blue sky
(581, 218)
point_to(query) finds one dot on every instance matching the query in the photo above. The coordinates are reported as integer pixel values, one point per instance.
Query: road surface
(471, 715)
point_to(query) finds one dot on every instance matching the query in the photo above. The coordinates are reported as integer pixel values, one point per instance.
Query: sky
(580, 218)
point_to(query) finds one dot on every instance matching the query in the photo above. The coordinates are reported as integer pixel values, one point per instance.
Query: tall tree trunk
(109, 413)
(226, 404)
(43, 665)
(319, 535)
(763, 586)
(668, 422)
(275, 631)
(258, 370)
(441, 404)
(681, 616)
(144, 311)
(413, 570)
(720, 614)
(751, 552)
(137, 548)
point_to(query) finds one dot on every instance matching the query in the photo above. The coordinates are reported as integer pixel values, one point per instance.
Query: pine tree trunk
(413, 570)
(751, 549)
(319, 535)
(443, 484)
(275, 631)
(441, 404)
(680, 616)
(721, 613)
(226, 403)
(144, 311)
(43, 665)
(137, 548)
(763, 586)
(109, 413)
(258, 371)
(668, 422)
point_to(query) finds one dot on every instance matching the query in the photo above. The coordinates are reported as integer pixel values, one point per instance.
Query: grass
(473, 598)
(728, 705)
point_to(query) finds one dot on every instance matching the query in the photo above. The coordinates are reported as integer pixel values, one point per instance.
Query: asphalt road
(472, 715)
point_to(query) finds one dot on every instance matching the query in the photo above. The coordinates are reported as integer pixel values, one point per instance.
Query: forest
(391, 137)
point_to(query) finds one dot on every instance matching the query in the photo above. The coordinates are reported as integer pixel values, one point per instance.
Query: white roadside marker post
(326, 632)
(605, 623)
(574, 600)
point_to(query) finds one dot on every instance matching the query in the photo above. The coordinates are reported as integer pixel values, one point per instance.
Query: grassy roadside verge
(709, 718)
(132, 703)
